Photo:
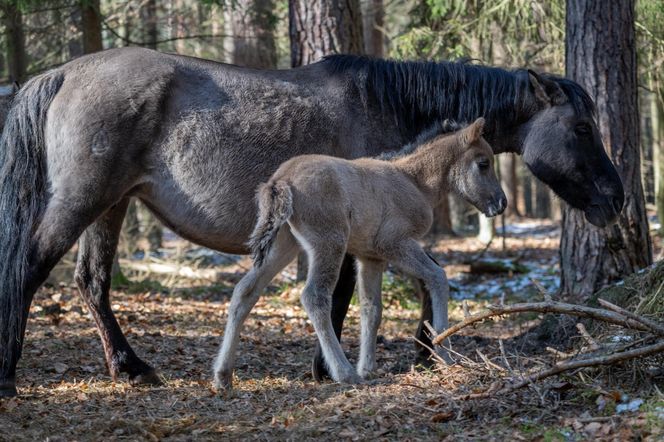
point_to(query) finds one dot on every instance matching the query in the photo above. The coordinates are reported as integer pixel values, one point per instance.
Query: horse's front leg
(94, 268)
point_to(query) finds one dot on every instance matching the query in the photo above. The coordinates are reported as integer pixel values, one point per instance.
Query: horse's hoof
(8, 388)
(351, 378)
(318, 369)
(150, 377)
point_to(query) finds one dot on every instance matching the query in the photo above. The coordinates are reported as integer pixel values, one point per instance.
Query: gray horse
(193, 138)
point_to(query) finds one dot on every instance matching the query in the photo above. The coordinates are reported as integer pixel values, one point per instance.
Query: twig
(571, 365)
(488, 362)
(546, 307)
(589, 339)
(652, 325)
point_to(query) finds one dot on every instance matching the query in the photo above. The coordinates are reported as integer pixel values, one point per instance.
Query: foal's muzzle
(497, 205)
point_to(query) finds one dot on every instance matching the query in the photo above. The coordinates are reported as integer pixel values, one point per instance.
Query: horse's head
(562, 147)
(473, 175)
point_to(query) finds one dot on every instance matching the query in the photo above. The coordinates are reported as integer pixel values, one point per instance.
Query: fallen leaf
(442, 417)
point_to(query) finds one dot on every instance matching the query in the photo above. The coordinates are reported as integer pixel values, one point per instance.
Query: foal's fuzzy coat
(371, 208)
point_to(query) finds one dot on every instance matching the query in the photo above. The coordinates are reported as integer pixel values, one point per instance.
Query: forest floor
(173, 313)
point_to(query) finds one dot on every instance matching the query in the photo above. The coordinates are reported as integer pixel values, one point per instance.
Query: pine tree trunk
(252, 24)
(601, 56)
(542, 200)
(15, 42)
(91, 26)
(322, 27)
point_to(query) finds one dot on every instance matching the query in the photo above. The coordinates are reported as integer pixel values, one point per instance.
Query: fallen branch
(550, 307)
(574, 364)
(654, 326)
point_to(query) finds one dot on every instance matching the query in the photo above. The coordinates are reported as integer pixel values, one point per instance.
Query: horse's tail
(22, 199)
(275, 207)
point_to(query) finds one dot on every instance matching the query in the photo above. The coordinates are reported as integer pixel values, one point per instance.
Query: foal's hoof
(223, 383)
(150, 377)
(351, 379)
(8, 388)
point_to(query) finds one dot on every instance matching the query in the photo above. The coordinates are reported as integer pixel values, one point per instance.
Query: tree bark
(322, 27)
(91, 26)
(601, 56)
(252, 24)
(15, 42)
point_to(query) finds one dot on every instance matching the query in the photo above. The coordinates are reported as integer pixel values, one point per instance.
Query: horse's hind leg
(245, 296)
(97, 249)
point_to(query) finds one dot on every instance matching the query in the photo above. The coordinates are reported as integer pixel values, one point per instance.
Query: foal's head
(472, 174)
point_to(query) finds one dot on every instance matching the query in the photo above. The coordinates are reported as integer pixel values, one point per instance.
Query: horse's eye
(483, 164)
(583, 129)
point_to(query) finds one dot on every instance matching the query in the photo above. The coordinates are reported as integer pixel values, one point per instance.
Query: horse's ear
(547, 92)
(472, 133)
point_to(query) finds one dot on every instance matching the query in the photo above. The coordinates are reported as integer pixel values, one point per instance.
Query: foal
(371, 208)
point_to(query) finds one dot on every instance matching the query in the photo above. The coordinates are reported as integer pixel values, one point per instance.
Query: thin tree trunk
(15, 42)
(373, 16)
(542, 200)
(601, 56)
(322, 27)
(148, 14)
(252, 24)
(91, 26)
(657, 115)
(510, 183)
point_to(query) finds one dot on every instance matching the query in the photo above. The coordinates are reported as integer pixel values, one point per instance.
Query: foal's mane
(437, 128)
(419, 92)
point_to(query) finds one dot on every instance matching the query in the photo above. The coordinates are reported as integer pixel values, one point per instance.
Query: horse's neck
(429, 168)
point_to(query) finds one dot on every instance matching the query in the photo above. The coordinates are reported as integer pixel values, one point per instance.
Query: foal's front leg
(370, 274)
(411, 259)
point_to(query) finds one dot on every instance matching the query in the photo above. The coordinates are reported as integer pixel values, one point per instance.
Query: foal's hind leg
(371, 305)
(97, 249)
(324, 264)
(245, 295)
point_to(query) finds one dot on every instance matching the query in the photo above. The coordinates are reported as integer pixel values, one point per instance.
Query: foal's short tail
(275, 206)
(22, 198)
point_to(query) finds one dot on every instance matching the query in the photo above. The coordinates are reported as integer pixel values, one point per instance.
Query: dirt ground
(175, 323)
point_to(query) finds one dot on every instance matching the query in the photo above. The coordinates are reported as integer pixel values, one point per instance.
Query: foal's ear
(472, 133)
(547, 92)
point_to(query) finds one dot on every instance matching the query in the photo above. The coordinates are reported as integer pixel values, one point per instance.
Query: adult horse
(192, 139)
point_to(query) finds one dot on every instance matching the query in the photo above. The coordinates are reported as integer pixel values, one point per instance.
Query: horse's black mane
(437, 128)
(417, 92)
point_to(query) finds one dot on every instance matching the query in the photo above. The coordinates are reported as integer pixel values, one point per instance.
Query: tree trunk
(91, 26)
(510, 183)
(542, 200)
(373, 15)
(657, 115)
(322, 27)
(252, 24)
(601, 56)
(487, 229)
(15, 42)
(148, 14)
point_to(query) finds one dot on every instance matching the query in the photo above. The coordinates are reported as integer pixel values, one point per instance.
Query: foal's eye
(483, 164)
(583, 129)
